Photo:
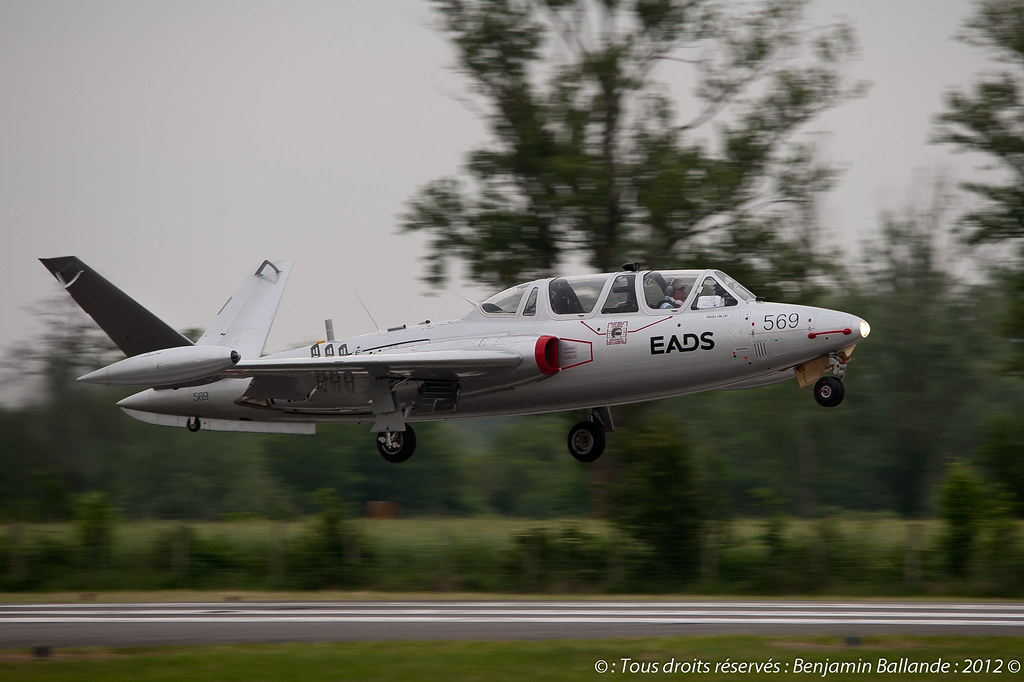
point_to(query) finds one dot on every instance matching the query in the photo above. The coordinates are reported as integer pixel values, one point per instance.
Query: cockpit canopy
(654, 291)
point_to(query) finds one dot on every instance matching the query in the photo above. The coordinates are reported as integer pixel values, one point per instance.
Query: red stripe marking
(847, 332)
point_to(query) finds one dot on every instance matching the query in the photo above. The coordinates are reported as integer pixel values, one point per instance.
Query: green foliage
(94, 525)
(924, 362)
(962, 501)
(525, 471)
(857, 555)
(345, 459)
(568, 559)
(655, 498)
(588, 154)
(1002, 458)
(330, 553)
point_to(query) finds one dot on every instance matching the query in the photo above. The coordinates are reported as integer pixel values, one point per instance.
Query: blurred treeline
(857, 554)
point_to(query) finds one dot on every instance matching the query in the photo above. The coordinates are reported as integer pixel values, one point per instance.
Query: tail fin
(134, 329)
(244, 322)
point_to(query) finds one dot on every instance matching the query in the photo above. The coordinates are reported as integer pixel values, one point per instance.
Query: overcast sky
(175, 145)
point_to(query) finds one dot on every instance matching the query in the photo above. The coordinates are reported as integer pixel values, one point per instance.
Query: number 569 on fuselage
(587, 342)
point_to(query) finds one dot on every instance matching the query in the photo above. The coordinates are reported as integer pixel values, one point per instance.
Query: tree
(524, 472)
(589, 154)
(657, 498)
(918, 369)
(1002, 457)
(962, 499)
(989, 119)
(94, 525)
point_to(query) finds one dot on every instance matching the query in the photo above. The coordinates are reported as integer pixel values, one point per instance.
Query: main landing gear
(396, 446)
(586, 441)
(586, 438)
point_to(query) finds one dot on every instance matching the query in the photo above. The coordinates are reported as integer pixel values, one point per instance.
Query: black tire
(829, 391)
(586, 441)
(396, 446)
(193, 424)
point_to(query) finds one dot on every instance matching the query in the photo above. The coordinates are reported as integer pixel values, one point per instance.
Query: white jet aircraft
(586, 342)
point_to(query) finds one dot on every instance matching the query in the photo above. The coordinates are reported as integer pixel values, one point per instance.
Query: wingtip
(65, 269)
(58, 263)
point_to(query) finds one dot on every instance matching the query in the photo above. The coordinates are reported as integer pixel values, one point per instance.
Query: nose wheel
(396, 446)
(829, 391)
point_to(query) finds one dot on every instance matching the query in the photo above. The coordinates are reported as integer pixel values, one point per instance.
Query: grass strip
(703, 657)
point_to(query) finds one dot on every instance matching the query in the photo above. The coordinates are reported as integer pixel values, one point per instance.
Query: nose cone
(137, 401)
(838, 329)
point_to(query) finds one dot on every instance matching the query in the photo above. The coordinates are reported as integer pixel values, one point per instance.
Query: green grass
(486, 660)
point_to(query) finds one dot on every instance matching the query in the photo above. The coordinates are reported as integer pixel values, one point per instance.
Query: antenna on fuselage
(467, 300)
(367, 310)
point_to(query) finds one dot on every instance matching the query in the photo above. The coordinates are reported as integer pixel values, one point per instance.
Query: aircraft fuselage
(586, 342)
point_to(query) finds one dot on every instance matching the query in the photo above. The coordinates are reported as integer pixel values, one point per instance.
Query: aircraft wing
(426, 365)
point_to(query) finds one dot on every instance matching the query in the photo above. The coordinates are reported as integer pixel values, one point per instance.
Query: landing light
(865, 329)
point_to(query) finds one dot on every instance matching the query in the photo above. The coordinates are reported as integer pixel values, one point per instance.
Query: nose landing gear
(829, 391)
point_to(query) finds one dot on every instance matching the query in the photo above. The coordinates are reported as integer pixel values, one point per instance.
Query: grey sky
(174, 145)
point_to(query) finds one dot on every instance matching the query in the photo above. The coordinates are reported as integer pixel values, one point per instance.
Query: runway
(93, 624)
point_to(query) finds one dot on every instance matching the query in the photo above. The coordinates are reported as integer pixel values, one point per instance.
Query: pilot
(669, 301)
(679, 290)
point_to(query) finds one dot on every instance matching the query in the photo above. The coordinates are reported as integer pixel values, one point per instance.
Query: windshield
(505, 303)
(718, 290)
(736, 287)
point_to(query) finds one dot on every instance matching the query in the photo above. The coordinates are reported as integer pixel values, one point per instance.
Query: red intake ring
(546, 353)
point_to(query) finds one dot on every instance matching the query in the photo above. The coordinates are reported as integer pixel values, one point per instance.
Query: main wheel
(193, 424)
(829, 391)
(396, 446)
(586, 441)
